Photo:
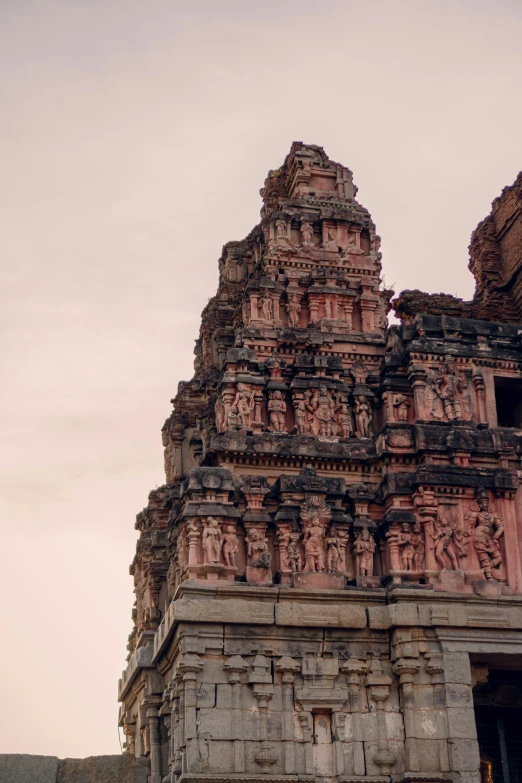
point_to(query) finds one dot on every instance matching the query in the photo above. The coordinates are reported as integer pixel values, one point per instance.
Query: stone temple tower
(329, 584)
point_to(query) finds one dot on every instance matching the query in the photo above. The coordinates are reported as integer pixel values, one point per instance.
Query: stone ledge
(189, 777)
(324, 615)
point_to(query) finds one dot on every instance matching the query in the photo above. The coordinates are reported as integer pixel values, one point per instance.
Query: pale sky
(134, 139)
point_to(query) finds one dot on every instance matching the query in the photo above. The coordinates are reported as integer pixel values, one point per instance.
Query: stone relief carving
(363, 417)
(401, 403)
(364, 549)
(293, 309)
(265, 307)
(277, 411)
(446, 392)
(307, 233)
(295, 560)
(211, 540)
(344, 420)
(333, 555)
(300, 417)
(244, 405)
(322, 408)
(487, 530)
(419, 547)
(406, 547)
(315, 516)
(281, 229)
(230, 544)
(257, 549)
(442, 536)
(331, 240)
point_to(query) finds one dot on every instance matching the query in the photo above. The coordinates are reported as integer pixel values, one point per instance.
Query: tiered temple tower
(335, 559)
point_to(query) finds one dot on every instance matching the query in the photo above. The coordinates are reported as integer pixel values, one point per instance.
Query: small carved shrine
(340, 529)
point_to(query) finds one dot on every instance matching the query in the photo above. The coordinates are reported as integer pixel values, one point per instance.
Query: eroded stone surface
(339, 528)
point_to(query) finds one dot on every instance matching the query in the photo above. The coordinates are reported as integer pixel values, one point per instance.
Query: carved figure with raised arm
(244, 402)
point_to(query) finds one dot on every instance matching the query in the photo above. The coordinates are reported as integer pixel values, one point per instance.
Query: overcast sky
(134, 140)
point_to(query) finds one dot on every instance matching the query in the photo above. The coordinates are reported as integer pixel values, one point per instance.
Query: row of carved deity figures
(334, 239)
(319, 412)
(449, 542)
(316, 545)
(367, 315)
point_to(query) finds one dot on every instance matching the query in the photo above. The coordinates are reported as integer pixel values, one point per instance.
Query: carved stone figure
(276, 411)
(401, 403)
(332, 551)
(211, 540)
(307, 233)
(283, 540)
(352, 249)
(344, 421)
(300, 417)
(281, 228)
(314, 551)
(244, 403)
(488, 530)
(324, 411)
(265, 306)
(233, 420)
(363, 417)
(419, 547)
(257, 549)
(342, 542)
(331, 242)
(295, 561)
(230, 545)
(293, 309)
(442, 536)
(449, 385)
(364, 548)
(406, 546)
(315, 515)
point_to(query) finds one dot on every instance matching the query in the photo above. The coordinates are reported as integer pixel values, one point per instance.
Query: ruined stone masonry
(329, 584)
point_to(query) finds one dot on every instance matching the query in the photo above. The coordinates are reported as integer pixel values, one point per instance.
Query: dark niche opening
(498, 716)
(508, 395)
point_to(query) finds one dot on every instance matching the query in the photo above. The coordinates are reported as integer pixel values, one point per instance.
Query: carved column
(258, 423)
(177, 724)
(348, 309)
(417, 380)
(405, 668)
(155, 746)
(193, 536)
(354, 668)
(276, 302)
(254, 315)
(426, 505)
(306, 750)
(288, 667)
(313, 306)
(235, 666)
(512, 562)
(435, 667)
(263, 690)
(378, 685)
(178, 457)
(480, 391)
(227, 396)
(189, 666)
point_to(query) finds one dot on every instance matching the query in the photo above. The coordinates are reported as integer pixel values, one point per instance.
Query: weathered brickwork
(339, 533)
(496, 263)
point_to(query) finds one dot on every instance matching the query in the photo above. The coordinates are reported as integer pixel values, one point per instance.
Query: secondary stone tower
(329, 584)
